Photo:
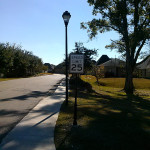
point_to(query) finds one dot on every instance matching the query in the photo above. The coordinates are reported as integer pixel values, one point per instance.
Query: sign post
(76, 67)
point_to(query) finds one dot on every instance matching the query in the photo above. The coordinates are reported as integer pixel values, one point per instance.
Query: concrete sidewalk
(36, 130)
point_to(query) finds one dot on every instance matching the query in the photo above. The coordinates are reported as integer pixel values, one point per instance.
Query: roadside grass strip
(107, 118)
(40, 74)
(6, 79)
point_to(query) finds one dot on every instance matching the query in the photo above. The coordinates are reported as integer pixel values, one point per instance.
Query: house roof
(114, 62)
(144, 64)
(102, 59)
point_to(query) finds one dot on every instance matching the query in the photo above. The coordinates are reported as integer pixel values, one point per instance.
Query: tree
(88, 55)
(60, 68)
(129, 18)
(50, 67)
(15, 62)
(45, 68)
(6, 58)
(98, 73)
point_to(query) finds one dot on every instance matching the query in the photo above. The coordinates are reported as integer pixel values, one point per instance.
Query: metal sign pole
(75, 104)
(76, 67)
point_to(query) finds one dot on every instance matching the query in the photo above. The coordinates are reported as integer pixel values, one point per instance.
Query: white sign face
(76, 63)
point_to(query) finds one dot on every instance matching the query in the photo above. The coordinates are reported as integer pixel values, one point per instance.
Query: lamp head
(66, 16)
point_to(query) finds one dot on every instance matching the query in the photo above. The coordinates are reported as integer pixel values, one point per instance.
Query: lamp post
(66, 16)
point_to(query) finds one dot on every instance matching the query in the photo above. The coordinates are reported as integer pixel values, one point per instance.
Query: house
(144, 68)
(110, 67)
(113, 68)
(116, 68)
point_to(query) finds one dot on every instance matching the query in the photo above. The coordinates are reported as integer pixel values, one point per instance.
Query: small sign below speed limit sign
(76, 63)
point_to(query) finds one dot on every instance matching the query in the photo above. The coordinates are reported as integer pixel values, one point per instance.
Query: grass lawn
(108, 119)
(139, 83)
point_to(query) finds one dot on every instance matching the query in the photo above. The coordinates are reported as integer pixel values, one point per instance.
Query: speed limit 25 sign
(76, 63)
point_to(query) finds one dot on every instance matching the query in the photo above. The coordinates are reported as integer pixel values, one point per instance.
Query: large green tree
(129, 18)
(15, 62)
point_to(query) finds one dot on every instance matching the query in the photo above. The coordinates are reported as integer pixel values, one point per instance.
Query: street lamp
(66, 16)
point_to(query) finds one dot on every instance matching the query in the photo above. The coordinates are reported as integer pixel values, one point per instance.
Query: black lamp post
(66, 16)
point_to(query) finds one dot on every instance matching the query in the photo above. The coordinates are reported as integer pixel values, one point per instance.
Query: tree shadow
(35, 130)
(118, 123)
(33, 94)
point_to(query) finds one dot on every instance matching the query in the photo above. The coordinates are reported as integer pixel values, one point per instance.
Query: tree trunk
(129, 87)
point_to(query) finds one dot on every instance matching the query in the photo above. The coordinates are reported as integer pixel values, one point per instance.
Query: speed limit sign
(76, 63)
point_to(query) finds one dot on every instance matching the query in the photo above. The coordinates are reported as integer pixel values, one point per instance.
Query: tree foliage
(15, 62)
(60, 68)
(131, 20)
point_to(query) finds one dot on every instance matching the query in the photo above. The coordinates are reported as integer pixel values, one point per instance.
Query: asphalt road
(18, 97)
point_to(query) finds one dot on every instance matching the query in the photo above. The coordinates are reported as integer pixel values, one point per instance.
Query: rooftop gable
(144, 64)
(102, 59)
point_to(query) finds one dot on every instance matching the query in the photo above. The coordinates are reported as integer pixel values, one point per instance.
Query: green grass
(6, 79)
(108, 119)
(139, 83)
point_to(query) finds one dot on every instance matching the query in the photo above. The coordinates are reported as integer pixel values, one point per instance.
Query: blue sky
(38, 26)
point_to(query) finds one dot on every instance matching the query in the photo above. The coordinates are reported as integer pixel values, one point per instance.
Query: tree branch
(143, 24)
(138, 51)
(125, 26)
(137, 30)
(136, 20)
(119, 43)
(136, 15)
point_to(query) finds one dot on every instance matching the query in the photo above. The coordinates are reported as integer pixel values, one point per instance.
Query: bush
(82, 85)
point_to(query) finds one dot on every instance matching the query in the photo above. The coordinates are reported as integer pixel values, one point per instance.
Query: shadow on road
(10, 117)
